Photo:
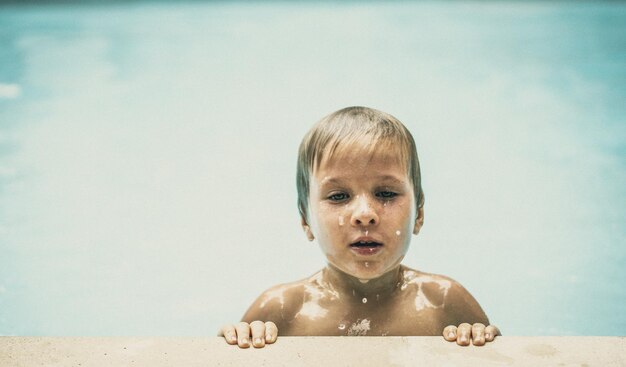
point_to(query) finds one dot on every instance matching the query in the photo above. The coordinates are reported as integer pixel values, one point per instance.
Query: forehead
(381, 158)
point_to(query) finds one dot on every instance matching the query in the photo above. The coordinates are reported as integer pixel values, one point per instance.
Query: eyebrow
(335, 180)
(392, 179)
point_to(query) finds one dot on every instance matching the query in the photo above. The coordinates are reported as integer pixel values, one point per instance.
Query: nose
(363, 214)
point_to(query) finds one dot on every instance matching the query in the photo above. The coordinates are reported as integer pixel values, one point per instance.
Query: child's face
(362, 198)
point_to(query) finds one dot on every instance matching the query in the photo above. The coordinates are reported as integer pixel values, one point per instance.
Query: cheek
(401, 213)
(323, 223)
(403, 222)
(330, 216)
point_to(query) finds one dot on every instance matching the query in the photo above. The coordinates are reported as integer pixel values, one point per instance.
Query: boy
(360, 196)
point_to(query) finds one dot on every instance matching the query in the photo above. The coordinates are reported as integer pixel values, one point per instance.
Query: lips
(366, 246)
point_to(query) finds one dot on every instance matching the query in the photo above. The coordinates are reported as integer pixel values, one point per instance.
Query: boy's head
(365, 129)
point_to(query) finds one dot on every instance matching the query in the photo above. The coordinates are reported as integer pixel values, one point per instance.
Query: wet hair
(365, 128)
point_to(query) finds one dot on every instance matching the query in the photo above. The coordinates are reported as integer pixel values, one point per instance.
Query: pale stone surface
(311, 351)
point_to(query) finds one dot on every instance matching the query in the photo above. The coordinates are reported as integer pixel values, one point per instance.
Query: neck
(357, 289)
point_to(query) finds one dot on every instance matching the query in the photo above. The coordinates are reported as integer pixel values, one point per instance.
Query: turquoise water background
(147, 155)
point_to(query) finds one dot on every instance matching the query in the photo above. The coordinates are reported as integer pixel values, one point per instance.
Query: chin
(369, 271)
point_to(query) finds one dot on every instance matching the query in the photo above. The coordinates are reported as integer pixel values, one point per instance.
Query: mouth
(366, 247)
(365, 244)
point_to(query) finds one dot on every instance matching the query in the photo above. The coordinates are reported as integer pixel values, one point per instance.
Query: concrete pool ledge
(310, 351)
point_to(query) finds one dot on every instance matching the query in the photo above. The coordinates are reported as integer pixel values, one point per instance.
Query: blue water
(147, 155)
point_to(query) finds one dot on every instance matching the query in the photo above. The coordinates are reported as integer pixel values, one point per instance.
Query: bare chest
(366, 318)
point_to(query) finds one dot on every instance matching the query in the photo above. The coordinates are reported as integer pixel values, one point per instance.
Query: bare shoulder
(278, 304)
(447, 295)
(462, 307)
(433, 289)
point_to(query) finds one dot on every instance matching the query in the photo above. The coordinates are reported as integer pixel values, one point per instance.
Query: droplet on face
(398, 233)
(367, 265)
(341, 326)
(364, 300)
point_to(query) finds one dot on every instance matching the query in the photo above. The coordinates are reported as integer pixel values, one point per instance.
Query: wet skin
(417, 304)
(354, 197)
(362, 212)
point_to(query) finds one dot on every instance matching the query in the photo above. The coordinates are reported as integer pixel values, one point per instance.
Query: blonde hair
(370, 129)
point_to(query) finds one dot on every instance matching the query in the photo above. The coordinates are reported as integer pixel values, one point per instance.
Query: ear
(419, 221)
(307, 230)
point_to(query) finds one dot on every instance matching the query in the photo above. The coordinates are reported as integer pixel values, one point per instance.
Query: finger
(243, 334)
(229, 334)
(271, 332)
(258, 333)
(463, 333)
(491, 332)
(478, 334)
(449, 333)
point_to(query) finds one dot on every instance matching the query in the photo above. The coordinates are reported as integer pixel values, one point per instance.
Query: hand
(477, 333)
(240, 334)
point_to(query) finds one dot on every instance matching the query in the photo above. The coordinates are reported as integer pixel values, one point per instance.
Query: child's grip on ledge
(360, 195)
(262, 333)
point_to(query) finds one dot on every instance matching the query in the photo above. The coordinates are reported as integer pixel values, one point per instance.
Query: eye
(340, 196)
(386, 194)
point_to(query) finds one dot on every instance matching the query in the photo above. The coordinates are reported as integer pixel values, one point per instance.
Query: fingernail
(257, 341)
(451, 334)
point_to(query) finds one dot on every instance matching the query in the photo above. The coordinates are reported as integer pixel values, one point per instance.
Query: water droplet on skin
(367, 265)
(364, 300)
(364, 280)
(341, 326)
(377, 297)
(398, 233)
(353, 293)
